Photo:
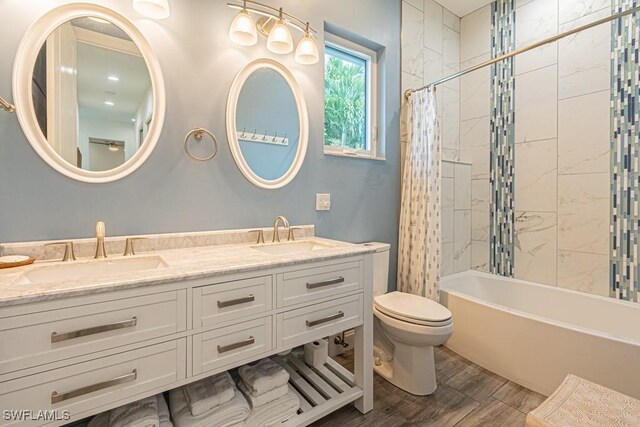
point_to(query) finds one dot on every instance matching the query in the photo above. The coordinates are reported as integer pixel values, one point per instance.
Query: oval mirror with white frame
(267, 124)
(89, 92)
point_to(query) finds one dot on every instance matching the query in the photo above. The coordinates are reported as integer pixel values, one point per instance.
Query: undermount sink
(291, 247)
(90, 269)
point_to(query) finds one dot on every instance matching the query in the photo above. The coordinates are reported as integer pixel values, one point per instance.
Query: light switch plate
(323, 202)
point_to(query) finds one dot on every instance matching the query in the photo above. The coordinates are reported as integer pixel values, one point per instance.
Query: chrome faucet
(100, 233)
(285, 224)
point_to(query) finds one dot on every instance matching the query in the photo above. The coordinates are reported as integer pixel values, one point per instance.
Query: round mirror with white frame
(89, 92)
(267, 124)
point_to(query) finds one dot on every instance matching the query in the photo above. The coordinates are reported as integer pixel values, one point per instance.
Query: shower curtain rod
(408, 93)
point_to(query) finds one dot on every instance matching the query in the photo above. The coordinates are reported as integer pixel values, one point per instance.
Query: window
(350, 105)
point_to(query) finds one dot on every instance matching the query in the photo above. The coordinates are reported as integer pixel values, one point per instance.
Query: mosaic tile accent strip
(625, 166)
(502, 142)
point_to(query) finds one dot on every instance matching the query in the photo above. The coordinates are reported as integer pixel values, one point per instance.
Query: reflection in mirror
(267, 123)
(92, 94)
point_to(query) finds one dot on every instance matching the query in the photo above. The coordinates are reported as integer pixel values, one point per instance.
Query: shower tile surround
(562, 143)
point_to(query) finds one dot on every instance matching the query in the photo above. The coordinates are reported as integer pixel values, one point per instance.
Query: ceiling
(463, 7)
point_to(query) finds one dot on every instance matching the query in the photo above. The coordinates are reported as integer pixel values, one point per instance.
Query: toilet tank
(380, 267)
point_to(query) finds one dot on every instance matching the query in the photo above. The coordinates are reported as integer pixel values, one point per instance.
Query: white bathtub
(536, 334)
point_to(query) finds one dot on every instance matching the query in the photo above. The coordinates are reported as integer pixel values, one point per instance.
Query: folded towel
(233, 412)
(142, 413)
(264, 398)
(263, 376)
(100, 420)
(209, 393)
(163, 412)
(274, 413)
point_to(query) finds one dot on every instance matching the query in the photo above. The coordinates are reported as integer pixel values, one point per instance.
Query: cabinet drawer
(89, 385)
(221, 347)
(53, 335)
(307, 285)
(227, 301)
(297, 327)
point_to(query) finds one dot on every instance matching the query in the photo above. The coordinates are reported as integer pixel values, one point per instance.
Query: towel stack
(266, 386)
(149, 412)
(211, 402)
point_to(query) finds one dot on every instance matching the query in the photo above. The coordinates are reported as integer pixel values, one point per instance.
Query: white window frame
(370, 56)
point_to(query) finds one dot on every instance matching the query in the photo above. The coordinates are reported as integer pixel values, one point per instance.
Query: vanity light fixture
(114, 78)
(109, 103)
(275, 24)
(154, 9)
(243, 28)
(113, 147)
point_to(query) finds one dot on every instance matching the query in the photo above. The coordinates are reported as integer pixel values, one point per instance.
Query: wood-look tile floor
(467, 396)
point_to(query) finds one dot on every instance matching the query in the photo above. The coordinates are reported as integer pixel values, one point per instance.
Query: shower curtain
(419, 236)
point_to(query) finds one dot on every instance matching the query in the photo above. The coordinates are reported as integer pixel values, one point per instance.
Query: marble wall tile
(473, 133)
(536, 176)
(451, 20)
(479, 157)
(570, 10)
(480, 195)
(480, 256)
(450, 123)
(433, 66)
(409, 81)
(418, 4)
(584, 272)
(475, 100)
(584, 59)
(583, 213)
(480, 225)
(475, 34)
(451, 48)
(535, 247)
(462, 186)
(520, 3)
(412, 41)
(535, 21)
(584, 133)
(447, 193)
(446, 261)
(448, 226)
(433, 15)
(448, 169)
(462, 241)
(537, 105)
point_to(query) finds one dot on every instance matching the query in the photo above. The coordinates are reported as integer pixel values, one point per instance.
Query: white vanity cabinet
(90, 353)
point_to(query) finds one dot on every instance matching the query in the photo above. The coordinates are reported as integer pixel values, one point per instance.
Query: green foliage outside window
(345, 103)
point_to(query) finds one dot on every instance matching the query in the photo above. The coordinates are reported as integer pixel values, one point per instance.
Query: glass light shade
(243, 29)
(280, 40)
(154, 9)
(307, 50)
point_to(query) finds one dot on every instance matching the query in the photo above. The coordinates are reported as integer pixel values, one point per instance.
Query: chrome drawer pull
(56, 337)
(327, 283)
(229, 303)
(225, 348)
(57, 398)
(338, 315)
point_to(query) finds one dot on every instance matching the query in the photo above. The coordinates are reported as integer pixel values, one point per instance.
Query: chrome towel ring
(198, 133)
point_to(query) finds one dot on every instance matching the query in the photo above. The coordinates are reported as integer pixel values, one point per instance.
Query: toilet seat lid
(412, 308)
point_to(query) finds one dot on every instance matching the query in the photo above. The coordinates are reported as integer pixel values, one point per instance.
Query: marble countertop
(182, 264)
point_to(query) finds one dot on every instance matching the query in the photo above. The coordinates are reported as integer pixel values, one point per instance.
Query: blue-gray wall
(171, 193)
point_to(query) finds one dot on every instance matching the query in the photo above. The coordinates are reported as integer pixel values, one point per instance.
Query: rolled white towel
(264, 398)
(208, 393)
(231, 413)
(274, 413)
(141, 413)
(263, 376)
(163, 412)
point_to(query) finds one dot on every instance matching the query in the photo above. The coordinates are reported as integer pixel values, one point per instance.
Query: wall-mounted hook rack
(262, 138)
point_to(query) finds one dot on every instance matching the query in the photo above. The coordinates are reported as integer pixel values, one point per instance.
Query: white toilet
(406, 327)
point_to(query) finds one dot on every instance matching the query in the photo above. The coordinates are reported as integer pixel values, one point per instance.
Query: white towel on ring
(231, 413)
(209, 393)
(274, 413)
(141, 413)
(264, 398)
(263, 376)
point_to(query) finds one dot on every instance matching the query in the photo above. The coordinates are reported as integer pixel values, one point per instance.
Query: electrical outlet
(323, 202)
